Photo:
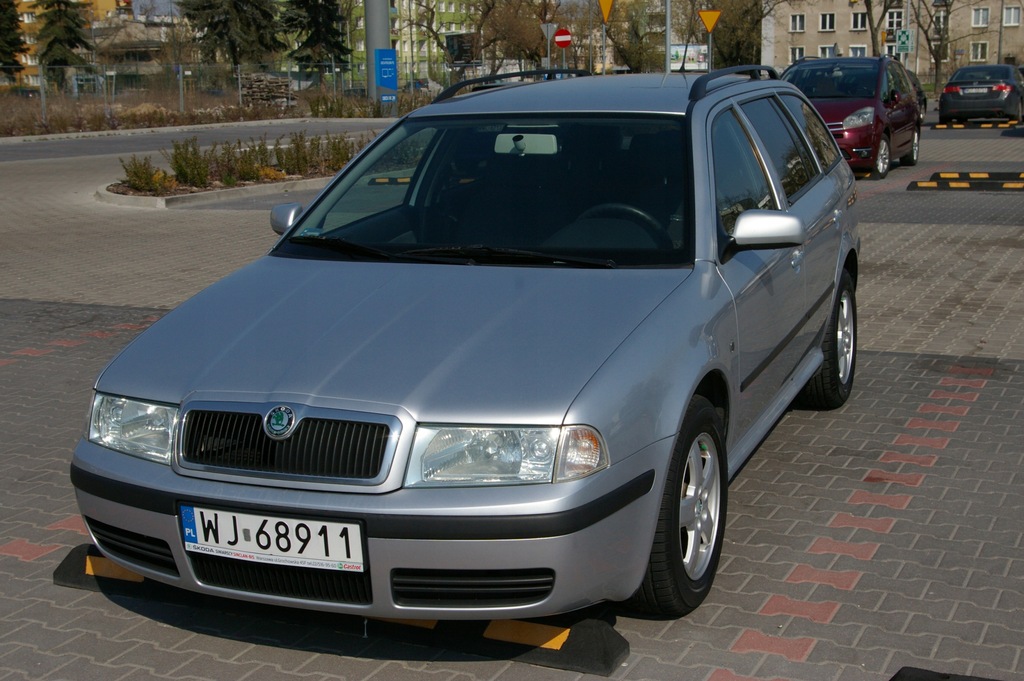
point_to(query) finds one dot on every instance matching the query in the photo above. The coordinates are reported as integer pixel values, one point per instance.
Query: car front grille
(320, 448)
(328, 586)
(471, 588)
(149, 552)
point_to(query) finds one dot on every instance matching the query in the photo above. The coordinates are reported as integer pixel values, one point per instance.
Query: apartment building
(972, 31)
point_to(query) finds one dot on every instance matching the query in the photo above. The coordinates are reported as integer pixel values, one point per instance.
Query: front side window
(740, 181)
(786, 152)
(547, 191)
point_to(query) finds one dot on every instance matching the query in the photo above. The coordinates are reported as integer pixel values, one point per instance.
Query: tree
(511, 31)
(737, 35)
(318, 25)
(242, 31)
(637, 35)
(877, 12)
(61, 36)
(12, 43)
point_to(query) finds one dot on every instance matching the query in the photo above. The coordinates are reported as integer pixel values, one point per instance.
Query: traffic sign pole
(563, 38)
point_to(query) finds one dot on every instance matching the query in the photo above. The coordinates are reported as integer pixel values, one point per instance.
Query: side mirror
(284, 215)
(768, 229)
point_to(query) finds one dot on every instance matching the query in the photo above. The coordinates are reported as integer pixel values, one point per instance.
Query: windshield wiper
(343, 246)
(491, 254)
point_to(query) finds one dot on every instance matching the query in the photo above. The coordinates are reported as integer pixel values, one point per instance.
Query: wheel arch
(715, 389)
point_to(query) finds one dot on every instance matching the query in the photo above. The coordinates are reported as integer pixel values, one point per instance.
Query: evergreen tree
(318, 25)
(12, 43)
(61, 36)
(242, 31)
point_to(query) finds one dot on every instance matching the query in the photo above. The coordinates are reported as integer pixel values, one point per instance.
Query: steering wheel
(635, 215)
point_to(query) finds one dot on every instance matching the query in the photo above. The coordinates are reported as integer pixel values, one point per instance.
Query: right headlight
(503, 455)
(859, 118)
(142, 429)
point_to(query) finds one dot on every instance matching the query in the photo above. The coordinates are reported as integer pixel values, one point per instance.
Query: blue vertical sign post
(387, 80)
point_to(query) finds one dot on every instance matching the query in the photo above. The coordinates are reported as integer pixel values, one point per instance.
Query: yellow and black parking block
(976, 125)
(584, 641)
(971, 181)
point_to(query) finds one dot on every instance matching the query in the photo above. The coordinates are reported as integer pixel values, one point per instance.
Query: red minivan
(869, 105)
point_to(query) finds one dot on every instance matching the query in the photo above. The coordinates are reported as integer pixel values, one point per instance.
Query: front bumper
(859, 147)
(473, 553)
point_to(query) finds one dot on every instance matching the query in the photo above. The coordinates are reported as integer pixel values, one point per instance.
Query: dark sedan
(984, 91)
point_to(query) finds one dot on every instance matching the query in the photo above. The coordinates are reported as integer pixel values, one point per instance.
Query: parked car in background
(983, 91)
(922, 96)
(870, 107)
(503, 366)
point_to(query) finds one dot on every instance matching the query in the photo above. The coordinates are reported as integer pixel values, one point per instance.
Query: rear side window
(787, 153)
(821, 139)
(740, 181)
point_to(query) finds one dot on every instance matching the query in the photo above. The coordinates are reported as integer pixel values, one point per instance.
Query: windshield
(555, 191)
(981, 73)
(835, 81)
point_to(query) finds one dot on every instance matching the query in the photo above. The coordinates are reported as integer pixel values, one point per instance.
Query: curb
(213, 196)
(184, 128)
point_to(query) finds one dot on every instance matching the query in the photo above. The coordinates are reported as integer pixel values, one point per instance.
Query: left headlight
(142, 429)
(482, 455)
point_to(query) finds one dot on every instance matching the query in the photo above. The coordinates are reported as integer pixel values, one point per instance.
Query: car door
(901, 104)
(766, 283)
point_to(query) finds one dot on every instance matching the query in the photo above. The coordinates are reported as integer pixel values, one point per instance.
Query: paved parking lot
(886, 534)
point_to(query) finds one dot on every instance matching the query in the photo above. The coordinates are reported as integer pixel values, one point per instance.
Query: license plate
(975, 90)
(270, 539)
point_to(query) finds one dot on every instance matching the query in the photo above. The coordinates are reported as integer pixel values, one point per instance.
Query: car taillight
(1002, 87)
(951, 90)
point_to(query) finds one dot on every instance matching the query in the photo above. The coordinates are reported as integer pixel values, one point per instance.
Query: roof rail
(550, 74)
(700, 86)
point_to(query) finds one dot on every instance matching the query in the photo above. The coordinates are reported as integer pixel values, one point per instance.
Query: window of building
(826, 51)
(796, 23)
(859, 21)
(979, 51)
(894, 20)
(1011, 16)
(827, 22)
(28, 17)
(979, 17)
(795, 54)
(858, 50)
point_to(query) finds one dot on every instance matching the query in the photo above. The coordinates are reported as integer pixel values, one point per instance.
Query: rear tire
(691, 524)
(910, 159)
(830, 386)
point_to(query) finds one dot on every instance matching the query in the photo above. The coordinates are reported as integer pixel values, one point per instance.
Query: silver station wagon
(504, 365)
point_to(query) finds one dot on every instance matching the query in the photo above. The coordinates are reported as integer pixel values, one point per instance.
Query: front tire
(883, 158)
(831, 384)
(691, 524)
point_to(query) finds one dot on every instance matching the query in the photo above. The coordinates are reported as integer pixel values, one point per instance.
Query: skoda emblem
(280, 422)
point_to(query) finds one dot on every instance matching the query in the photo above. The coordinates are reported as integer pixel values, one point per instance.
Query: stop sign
(562, 37)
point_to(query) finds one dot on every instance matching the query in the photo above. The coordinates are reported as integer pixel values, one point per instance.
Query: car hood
(835, 110)
(439, 342)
